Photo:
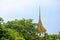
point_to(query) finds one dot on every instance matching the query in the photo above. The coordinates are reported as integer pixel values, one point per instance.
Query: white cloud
(23, 4)
(16, 4)
(7, 6)
(49, 3)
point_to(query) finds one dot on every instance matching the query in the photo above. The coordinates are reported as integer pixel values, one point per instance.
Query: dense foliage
(23, 29)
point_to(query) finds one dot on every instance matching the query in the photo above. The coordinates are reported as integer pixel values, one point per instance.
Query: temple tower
(40, 26)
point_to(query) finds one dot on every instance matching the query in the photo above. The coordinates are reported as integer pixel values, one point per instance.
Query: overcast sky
(17, 9)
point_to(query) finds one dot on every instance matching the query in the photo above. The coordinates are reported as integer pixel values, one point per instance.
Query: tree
(1, 20)
(24, 26)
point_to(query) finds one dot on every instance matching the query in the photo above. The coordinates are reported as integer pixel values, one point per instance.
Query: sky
(29, 9)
